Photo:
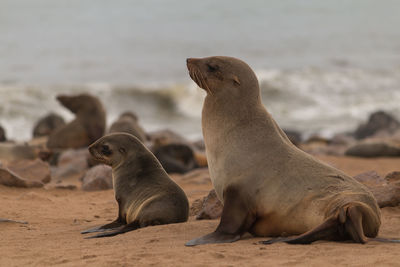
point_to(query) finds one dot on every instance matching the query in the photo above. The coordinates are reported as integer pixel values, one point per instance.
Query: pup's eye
(212, 68)
(105, 150)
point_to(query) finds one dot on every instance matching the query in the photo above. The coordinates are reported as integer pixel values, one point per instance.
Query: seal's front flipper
(235, 220)
(107, 227)
(120, 230)
(213, 238)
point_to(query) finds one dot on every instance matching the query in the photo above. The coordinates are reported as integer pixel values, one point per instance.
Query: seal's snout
(191, 61)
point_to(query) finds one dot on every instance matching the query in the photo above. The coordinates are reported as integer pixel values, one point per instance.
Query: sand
(57, 216)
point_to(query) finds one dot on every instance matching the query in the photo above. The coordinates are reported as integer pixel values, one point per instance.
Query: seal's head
(83, 103)
(214, 74)
(117, 148)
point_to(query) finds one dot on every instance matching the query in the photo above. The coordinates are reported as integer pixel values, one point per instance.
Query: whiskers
(199, 79)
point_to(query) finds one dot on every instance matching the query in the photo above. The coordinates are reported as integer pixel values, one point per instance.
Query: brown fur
(268, 186)
(128, 123)
(88, 125)
(144, 192)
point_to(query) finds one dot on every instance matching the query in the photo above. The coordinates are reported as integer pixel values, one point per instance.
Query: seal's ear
(236, 80)
(122, 150)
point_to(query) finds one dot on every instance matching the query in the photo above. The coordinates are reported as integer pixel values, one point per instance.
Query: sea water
(323, 66)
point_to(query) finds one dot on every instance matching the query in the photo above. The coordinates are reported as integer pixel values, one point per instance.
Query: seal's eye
(105, 150)
(212, 68)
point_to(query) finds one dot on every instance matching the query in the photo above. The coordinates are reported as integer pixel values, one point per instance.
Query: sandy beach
(56, 217)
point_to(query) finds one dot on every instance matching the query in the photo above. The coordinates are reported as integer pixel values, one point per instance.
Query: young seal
(46, 125)
(267, 185)
(88, 126)
(128, 123)
(144, 192)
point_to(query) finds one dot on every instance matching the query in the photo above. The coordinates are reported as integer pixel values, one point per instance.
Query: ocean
(323, 66)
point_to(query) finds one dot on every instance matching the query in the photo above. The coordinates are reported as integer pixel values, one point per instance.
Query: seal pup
(128, 122)
(46, 125)
(144, 192)
(88, 125)
(268, 186)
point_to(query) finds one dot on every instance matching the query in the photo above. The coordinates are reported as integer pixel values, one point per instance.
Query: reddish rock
(98, 178)
(9, 178)
(210, 207)
(33, 170)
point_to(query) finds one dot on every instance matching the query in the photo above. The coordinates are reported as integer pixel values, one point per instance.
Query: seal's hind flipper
(346, 224)
(326, 230)
(120, 230)
(235, 220)
(107, 227)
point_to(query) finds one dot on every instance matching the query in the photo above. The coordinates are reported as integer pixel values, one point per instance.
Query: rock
(17, 151)
(33, 170)
(98, 178)
(61, 186)
(378, 121)
(385, 190)
(71, 162)
(294, 136)
(374, 149)
(3, 137)
(342, 139)
(128, 123)
(9, 178)
(209, 208)
(46, 125)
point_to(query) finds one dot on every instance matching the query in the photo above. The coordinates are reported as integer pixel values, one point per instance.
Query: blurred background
(323, 66)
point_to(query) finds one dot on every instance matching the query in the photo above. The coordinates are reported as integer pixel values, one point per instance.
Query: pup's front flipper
(107, 227)
(116, 231)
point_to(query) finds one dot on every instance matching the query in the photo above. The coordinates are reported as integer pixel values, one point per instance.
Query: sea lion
(46, 125)
(144, 192)
(128, 123)
(87, 127)
(268, 186)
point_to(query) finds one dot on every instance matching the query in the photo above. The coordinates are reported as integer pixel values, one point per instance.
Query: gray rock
(98, 178)
(378, 121)
(71, 162)
(373, 149)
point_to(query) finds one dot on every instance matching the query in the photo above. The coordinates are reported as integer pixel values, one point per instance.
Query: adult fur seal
(267, 185)
(144, 192)
(88, 125)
